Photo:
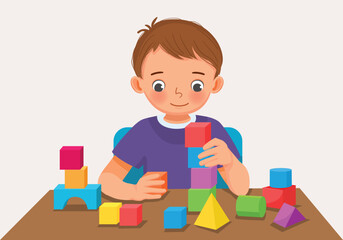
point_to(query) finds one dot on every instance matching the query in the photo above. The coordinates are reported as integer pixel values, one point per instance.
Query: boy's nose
(178, 92)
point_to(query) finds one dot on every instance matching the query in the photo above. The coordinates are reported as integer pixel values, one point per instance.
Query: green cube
(198, 197)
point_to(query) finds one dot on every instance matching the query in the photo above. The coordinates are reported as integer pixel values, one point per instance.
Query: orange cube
(162, 176)
(76, 178)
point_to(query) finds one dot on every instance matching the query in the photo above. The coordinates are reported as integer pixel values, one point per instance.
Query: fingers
(208, 160)
(151, 176)
(213, 143)
(208, 153)
(152, 196)
(154, 190)
(154, 183)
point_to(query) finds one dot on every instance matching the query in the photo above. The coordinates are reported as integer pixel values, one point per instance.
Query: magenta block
(71, 157)
(203, 178)
(288, 216)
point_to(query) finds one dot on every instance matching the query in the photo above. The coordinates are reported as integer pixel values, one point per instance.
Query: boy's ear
(136, 84)
(217, 84)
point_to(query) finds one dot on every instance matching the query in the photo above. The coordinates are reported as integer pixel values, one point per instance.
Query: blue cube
(175, 217)
(280, 177)
(193, 160)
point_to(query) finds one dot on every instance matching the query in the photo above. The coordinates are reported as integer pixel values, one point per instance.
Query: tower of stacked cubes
(76, 180)
(203, 179)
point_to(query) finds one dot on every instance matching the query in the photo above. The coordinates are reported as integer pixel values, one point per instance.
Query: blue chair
(135, 174)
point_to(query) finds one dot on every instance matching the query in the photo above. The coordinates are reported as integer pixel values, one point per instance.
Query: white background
(65, 68)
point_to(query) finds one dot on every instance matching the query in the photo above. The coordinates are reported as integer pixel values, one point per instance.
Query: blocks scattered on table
(76, 178)
(193, 160)
(131, 215)
(198, 197)
(109, 213)
(280, 177)
(203, 178)
(91, 195)
(212, 216)
(197, 134)
(276, 197)
(251, 206)
(71, 157)
(288, 216)
(175, 217)
(162, 176)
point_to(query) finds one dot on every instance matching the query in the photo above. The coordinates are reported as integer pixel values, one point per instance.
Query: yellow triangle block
(212, 215)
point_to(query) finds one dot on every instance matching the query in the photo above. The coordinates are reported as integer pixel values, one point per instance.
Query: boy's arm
(112, 184)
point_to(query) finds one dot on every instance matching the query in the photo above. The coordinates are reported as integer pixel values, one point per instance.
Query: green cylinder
(251, 206)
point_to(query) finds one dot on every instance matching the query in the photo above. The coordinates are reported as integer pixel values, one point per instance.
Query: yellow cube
(109, 213)
(76, 178)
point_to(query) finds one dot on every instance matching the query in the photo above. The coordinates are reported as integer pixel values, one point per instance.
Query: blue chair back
(136, 173)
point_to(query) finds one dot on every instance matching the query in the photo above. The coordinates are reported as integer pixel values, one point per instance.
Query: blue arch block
(91, 195)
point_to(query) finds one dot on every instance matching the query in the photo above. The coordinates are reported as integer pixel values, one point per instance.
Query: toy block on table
(193, 160)
(76, 178)
(109, 213)
(162, 176)
(197, 134)
(202, 178)
(288, 216)
(131, 215)
(251, 206)
(175, 217)
(276, 197)
(212, 216)
(91, 195)
(198, 197)
(280, 177)
(71, 157)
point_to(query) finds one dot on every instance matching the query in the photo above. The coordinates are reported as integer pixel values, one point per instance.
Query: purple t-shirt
(159, 148)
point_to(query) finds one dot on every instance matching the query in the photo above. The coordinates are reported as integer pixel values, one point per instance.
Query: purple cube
(203, 178)
(71, 157)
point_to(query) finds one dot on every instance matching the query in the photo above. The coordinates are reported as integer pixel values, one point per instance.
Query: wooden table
(76, 222)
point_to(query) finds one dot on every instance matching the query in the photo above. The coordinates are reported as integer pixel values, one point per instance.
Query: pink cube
(203, 178)
(130, 215)
(197, 134)
(71, 157)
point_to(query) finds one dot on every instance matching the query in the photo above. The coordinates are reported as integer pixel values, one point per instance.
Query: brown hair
(179, 38)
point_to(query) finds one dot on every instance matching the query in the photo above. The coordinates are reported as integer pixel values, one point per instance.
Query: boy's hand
(222, 155)
(146, 188)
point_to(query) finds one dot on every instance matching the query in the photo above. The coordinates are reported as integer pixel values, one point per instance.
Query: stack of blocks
(112, 213)
(203, 179)
(281, 189)
(76, 180)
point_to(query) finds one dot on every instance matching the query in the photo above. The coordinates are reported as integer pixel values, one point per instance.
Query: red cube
(71, 158)
(276, 197)
(130, 215)
(197, 134)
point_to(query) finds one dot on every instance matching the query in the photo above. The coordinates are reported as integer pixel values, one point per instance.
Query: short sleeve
(131, 148)
(218, 131)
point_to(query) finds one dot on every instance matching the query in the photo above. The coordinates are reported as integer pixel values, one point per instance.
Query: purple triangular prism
(288, 215)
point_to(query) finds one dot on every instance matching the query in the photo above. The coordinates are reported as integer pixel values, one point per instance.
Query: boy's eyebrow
(156, 73)
(201, 73)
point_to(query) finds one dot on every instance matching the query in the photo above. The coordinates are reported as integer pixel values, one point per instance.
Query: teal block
(193, 160)
(175, 217)
(91, 195)
(280, 177)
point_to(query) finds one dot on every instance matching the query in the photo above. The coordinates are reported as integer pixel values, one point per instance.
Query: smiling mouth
(179, 105)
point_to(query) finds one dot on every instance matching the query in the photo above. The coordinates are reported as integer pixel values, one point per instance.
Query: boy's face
(176, 86)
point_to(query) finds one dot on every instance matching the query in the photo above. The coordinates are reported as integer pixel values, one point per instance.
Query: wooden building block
(71, 157)
(109, 213)
(76, 178)
(198, 197)
(251, 206)
(280, 177)
(175, 217)
(202, 178)
(288, 216)
(131, 215)
(162, 176)
(276, 197)
(197, 134)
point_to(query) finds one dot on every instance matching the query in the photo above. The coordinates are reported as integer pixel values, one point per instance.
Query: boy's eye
(197, 85)
(158, 85)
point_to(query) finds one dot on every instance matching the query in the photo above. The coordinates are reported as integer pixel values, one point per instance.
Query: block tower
(76, 180)
(281, 189)
(203, 179)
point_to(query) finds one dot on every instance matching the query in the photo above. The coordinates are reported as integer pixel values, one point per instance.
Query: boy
(177, 65)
